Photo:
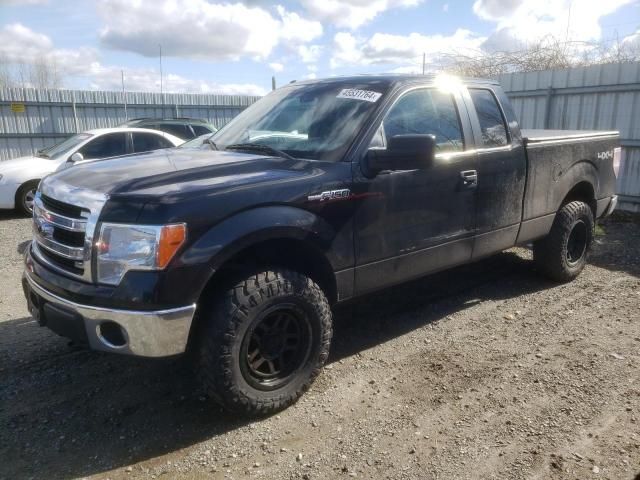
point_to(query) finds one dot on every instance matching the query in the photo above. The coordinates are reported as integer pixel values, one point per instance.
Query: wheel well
(16, 197)
(22, 185)
(292, 254)
(582, 192)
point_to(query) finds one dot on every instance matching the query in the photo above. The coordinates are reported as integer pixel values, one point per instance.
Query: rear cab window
(492, 123)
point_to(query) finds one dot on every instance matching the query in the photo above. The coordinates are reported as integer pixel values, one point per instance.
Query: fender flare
(250, 227)
(583, 171)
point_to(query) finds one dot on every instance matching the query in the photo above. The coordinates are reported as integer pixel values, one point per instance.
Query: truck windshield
(316, 121)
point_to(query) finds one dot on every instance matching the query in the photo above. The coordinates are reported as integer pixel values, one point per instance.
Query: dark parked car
(184, 128)
(320, 192)
(203, 142)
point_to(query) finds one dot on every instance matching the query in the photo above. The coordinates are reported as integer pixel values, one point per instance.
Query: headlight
(136, 247)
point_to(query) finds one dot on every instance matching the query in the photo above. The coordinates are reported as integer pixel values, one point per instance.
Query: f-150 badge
(330, 195)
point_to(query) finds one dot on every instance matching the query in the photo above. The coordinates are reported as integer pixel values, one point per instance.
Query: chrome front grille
(64, 209)
(60, 232)
(64, 223)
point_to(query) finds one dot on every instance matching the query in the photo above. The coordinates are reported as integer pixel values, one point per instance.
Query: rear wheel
(562, 254)
(25, 197)
(264, 341)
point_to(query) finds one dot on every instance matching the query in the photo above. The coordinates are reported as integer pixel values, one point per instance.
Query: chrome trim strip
(458, 154)
(71, 224)
(83, 198)
(156, 333)
(474, 151)
(610, 133)
(571, 139)
(502, 148)
(71, 253)
(41, 258)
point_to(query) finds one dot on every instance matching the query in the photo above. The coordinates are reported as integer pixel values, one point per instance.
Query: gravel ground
(487, 371)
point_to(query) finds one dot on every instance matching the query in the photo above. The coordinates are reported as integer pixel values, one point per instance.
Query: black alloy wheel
(275, 347)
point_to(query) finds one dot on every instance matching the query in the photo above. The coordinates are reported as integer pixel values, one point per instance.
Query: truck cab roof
(394, 80)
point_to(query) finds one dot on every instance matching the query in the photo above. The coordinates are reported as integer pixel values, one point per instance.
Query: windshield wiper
(41, 154)
(211, 143)
(259, 147)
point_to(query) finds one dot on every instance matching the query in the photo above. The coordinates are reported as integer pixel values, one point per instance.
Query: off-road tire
(230, 319)
(21, 195)
(552, 255)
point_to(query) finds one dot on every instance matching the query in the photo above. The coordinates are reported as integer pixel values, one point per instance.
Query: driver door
(418, 221)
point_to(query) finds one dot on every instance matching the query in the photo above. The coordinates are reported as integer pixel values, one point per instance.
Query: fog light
(112, 334)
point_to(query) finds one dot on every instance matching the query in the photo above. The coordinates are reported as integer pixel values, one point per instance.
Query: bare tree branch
(41, 73)
(545, 54)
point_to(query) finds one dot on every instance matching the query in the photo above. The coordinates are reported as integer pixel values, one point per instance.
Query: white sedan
(19, 177)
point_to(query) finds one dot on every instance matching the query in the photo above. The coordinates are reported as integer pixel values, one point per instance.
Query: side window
(145, 142)
(109, 145)
(200, 130)
(492, 124)
(426, 111)
(178, 130)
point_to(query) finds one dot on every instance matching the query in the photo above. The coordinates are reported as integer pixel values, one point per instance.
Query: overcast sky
(213, 46)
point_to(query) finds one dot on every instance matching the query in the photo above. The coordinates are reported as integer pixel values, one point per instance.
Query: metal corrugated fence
(599, 97)
(31, 119)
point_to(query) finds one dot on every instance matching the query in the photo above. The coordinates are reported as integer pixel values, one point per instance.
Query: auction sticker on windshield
(366, 95)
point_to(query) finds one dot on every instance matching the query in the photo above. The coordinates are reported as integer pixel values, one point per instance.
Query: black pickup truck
(320, 192)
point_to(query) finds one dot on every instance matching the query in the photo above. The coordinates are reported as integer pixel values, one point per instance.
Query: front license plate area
(35, 304)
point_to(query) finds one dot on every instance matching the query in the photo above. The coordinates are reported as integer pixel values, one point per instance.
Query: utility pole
(566, 37)
(424, 61)
(161, 91)
(124, 96)
(273, 82)
(75, 112)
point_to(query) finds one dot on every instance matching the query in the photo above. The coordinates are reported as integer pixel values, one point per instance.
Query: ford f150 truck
(320, 192)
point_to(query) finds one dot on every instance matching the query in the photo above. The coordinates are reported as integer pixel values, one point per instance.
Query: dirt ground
(487, 371)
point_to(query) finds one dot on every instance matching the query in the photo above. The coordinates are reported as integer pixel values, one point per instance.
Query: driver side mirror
(76, 157)
(403, 152)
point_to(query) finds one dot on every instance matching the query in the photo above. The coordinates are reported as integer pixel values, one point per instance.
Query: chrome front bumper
(157, 333)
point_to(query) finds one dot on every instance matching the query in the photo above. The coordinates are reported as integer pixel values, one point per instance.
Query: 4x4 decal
(605, 155)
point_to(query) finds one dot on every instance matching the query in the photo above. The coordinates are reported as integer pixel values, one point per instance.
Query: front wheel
(264, 342)
(25, 196)
(562, 254)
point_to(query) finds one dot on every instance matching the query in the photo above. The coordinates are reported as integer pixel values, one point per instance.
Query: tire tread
(232, 308)
(549, 253)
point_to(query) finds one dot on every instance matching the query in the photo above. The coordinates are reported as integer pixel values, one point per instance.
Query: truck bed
(557, 161)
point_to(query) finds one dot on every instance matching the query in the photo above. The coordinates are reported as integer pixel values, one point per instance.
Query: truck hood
(172, 172)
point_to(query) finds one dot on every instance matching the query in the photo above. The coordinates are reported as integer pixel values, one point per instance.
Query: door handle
(469, 178)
